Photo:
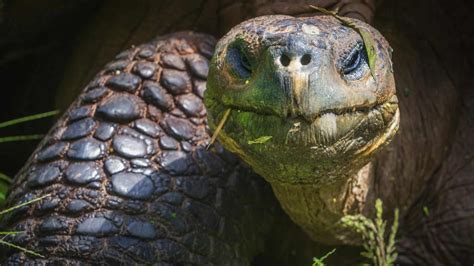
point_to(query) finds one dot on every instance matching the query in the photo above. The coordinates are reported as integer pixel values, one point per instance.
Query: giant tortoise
(306, 124)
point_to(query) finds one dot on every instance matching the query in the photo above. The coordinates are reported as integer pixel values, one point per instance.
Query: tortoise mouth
(331, 126)
(344, 125)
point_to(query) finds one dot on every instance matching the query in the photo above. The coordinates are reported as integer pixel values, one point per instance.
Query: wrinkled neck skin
(317, 193)
(318, 208)
(316, 188)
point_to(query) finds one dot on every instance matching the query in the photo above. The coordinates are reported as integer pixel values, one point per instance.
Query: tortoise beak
(312, 86)
(296, 86)
(297, 65)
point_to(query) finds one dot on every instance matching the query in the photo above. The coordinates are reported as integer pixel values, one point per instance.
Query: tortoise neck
(318, 209)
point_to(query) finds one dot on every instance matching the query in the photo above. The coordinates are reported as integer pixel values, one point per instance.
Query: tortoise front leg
(129, 176)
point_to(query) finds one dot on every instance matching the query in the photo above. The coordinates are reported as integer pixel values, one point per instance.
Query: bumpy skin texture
(129, 176)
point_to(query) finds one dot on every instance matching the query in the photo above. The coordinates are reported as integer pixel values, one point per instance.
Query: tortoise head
(305, 106)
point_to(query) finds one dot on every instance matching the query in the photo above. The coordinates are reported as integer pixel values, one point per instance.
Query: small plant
(379, 248)
(320, 262)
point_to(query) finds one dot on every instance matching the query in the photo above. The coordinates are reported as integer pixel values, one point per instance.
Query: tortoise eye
(239, 62)
(352, 64)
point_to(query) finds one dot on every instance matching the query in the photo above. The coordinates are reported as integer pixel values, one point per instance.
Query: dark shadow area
(36, 39)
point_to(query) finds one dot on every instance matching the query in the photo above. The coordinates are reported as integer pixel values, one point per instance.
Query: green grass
(6, 181)
(23, 204)
(28, 118)
(4, 235)
(5, 178)
(378, 243)
(20, 138)
(320, 261)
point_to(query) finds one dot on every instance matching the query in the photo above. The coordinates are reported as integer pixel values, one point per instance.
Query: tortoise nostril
(305, 59)
(284, 60)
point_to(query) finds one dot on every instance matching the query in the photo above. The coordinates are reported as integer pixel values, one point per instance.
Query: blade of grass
(3, 191)
(5, 178)
(219, 127)
(11, 232)
(21, 248)
(20, 138)
(28, 118)
(5, 234)
(23, 204)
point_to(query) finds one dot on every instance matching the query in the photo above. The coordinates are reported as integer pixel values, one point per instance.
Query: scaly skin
(129, 175)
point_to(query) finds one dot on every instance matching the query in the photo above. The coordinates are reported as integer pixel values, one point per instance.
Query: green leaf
(28, 118)
(5, 178)
(379, 208)
(3, 191)
(260, 140)
(364, 34)
(426, 211)
(320, 262)
(369, 48)
(327, 255)
(5, 181)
